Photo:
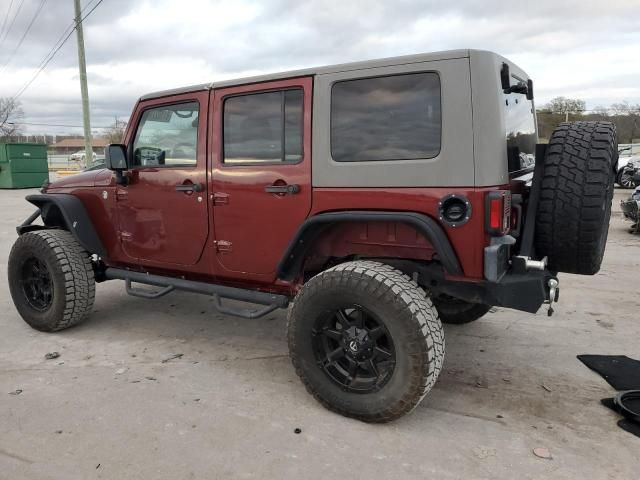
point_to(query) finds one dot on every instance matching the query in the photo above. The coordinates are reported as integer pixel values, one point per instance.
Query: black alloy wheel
(354, 349)
(36, 283)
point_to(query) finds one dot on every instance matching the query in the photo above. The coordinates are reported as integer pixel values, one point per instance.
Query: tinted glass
(386, 118)
(521, 131)
(263, 127)
(167, 136)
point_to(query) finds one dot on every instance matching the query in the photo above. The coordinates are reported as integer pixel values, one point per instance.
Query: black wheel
(366, 341)
(624, 179)
(51, 280)
(455, 311)
(572, 221)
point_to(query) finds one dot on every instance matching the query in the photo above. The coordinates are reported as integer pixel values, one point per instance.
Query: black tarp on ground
(622, 373)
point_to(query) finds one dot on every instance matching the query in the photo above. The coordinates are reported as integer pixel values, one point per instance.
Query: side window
(263, 127)
(386, 118)
(167, 136)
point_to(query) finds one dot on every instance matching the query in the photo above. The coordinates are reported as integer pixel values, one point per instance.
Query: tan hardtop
(342, 67)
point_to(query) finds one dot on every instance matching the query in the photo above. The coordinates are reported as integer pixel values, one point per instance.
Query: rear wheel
(366, 341)
(458, 312)
(51, 280)
(572, 221)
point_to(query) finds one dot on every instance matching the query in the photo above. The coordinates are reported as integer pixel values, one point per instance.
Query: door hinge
(223, 246)
(220, 198)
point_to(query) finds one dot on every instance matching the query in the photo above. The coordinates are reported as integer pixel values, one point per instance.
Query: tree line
(624, 115)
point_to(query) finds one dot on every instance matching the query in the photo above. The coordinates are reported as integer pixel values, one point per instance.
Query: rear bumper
(526, 291)
(521, 291)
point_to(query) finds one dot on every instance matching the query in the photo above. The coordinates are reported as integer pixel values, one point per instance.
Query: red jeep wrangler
(379, 198)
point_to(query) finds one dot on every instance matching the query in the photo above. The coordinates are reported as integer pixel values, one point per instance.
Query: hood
(82, 179)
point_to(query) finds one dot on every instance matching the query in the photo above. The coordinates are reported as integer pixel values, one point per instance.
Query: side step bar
(270, 301)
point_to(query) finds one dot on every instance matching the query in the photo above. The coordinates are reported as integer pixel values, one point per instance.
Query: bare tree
(115, 133)
(10, 112)
(601, 110)
(566, 105)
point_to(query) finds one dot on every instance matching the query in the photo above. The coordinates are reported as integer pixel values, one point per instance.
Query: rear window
(520, 124)
(386, 118)
(263, 127)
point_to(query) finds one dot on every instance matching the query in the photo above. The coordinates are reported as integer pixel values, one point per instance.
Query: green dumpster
(23, 165)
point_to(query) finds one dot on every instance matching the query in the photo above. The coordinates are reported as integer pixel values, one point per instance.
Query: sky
(586, 49)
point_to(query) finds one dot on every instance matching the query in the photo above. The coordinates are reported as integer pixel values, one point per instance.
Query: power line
(51, 125)
(52, 53)
(26, 32)
(4, 22)
(13, 20)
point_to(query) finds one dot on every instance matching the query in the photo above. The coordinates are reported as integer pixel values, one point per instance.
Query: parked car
(628, 174)
(631, 207)
(406, 202)
(80, 156)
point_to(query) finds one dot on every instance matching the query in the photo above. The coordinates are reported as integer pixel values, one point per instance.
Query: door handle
(284, 189)
(189, 187)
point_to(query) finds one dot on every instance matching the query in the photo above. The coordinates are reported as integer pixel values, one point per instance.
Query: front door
(163, 211)
(261, 173)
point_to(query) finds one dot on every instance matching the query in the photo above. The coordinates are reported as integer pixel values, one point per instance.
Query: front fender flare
(74, 215)
(291, 262)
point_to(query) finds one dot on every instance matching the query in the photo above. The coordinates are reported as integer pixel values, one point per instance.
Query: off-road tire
(72, 277)
(459, 312)
(407, 313)
(572, 220)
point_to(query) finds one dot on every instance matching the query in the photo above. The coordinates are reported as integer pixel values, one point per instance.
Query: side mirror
(115, 157)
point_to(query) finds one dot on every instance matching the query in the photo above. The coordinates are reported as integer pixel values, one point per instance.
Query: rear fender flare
(74, 217)
(291, 262)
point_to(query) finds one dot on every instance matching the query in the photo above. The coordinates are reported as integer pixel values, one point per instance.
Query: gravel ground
(108, 407)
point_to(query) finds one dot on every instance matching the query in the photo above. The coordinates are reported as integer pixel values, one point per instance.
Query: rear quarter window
(520, 124)
(395, 117)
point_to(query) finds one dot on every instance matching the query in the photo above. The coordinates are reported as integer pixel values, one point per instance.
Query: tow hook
(554, 294)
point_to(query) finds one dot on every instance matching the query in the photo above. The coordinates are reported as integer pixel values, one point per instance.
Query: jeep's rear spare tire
(51, 280)
(366, 341)
(573, 214)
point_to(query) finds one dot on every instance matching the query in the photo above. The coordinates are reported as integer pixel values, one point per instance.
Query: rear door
(261, 173)
(163, 211)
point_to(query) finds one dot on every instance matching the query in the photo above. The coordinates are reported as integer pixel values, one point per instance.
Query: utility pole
(82, 65)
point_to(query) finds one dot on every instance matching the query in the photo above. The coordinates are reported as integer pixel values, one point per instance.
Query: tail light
(498, 212)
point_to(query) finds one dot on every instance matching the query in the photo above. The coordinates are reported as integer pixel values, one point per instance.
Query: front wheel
(366, 341)
(51, 280)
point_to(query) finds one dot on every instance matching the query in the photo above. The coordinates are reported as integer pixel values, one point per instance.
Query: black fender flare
(291, 262)
(74, 215)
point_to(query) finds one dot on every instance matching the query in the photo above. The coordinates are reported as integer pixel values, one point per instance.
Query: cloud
(586, 49)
